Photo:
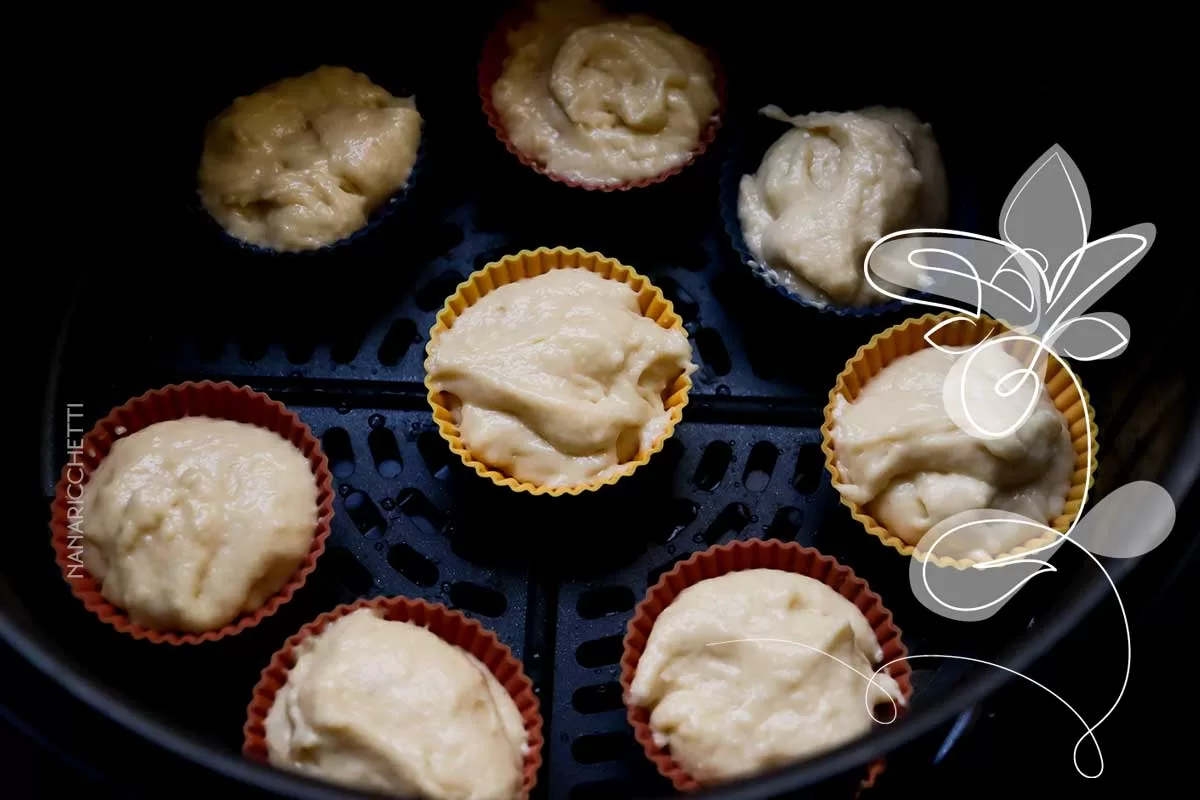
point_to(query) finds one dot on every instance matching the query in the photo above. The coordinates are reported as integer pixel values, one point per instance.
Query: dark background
(1096, 94)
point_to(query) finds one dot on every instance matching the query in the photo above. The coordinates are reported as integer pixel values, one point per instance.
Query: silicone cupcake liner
(491, 65)
(909, 337)
(205, 399)
(750, 143)
(375, 219)
(529, 264)
(451, 626)
(735, 557)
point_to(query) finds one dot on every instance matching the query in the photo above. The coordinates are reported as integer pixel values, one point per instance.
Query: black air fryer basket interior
(340, 339)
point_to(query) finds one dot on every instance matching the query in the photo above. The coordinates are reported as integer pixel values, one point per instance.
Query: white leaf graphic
(1095, 269)
(963, 272)
(1048, 212)
(1091, 337)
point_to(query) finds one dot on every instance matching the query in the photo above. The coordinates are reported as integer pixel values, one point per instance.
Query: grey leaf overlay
(968, 274)
(1092, 272)
(1048, 211)
(1092, 337)
(1130, 522)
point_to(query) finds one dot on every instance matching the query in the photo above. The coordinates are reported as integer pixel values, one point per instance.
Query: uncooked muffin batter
(728, 709)
(558, 379)
(903, 456)
(189, 523)
(391, 707)
(603, 99)
(831, 187)
(304, 162)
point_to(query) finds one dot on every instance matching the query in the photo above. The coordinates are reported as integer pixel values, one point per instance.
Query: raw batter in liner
(390, 706)
(558, 379)
(831, 187)
(303, 162)
(189, 523)
(912, 465)
(727, 708)
(603, 99)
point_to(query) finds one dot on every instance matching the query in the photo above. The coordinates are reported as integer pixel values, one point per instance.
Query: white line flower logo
(1042, 277)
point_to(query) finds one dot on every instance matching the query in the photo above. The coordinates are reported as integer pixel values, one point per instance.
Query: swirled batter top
(558, 379)
(303, 162)
(603, 99)
(829, 188)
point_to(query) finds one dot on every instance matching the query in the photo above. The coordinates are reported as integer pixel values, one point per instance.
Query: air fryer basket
(340, 339)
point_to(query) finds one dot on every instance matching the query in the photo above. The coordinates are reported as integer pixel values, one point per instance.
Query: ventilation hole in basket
(424, 514)
(680, 513)
(364, 513)
(336, 444)
(596, 748)
(210, 348)
(605, 601)
(479, 599)
(386, 452)
(412, 565)
(433, 295)
(353, 575)
(346, 343)
(809, 465)
(435, 454)
(685, 305)
(733, 519)
(597, 699)
(713, 465)
(439, 239)
(600, 790)
(759, 466)
(600, 652)
(763, 355)
(786, 524)
(400, 336)
(653, 575)
(713, 351)
(667, 459)
(300, 348)
(253, 347)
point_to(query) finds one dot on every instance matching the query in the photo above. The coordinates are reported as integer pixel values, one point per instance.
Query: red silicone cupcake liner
(734, 557)
(491, 65)
(205, 399)
(451, 626)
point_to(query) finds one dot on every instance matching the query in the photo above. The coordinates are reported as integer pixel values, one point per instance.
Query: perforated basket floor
(340, 340)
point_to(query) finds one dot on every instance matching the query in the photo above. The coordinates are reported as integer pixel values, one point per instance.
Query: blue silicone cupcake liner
(377, 217)
(748, 142)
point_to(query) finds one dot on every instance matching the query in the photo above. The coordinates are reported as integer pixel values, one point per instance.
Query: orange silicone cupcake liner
(909, 337)
(491, 65)
(529, 264)
(205, 399)
(735, 557)
(451, 626)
